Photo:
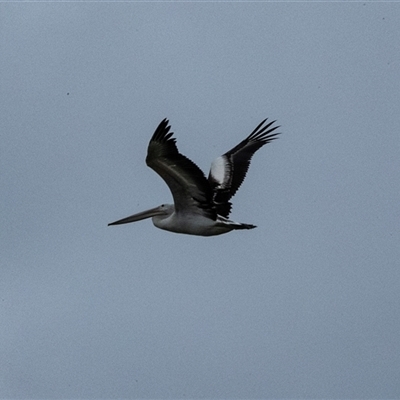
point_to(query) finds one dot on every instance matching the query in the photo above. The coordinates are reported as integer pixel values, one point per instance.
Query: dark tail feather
(244, 226)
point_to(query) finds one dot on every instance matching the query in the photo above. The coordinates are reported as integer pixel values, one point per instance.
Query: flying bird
(201, 206)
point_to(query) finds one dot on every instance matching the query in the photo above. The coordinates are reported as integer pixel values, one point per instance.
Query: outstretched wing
(189, 187)
(228, 171)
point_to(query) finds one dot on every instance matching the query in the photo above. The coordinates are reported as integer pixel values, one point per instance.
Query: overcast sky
(305, 306)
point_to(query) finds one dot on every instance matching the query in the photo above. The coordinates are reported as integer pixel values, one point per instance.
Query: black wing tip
(263, 133)
(162, 133)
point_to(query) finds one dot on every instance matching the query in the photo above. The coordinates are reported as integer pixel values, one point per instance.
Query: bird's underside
(201, 206)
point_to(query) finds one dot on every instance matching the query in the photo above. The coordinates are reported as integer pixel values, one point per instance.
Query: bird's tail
(238, 225)
(234, 225)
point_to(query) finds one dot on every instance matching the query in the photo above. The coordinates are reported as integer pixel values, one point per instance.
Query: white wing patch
(221, 171)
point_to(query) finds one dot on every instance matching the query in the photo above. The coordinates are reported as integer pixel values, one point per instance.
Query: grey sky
(306, 305)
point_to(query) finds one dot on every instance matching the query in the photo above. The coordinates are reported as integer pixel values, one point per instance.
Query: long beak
(139, 216)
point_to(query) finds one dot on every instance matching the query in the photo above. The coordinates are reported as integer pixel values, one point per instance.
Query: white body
(195, 224)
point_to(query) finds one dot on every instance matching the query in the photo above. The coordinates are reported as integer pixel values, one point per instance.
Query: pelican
(201, 206)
